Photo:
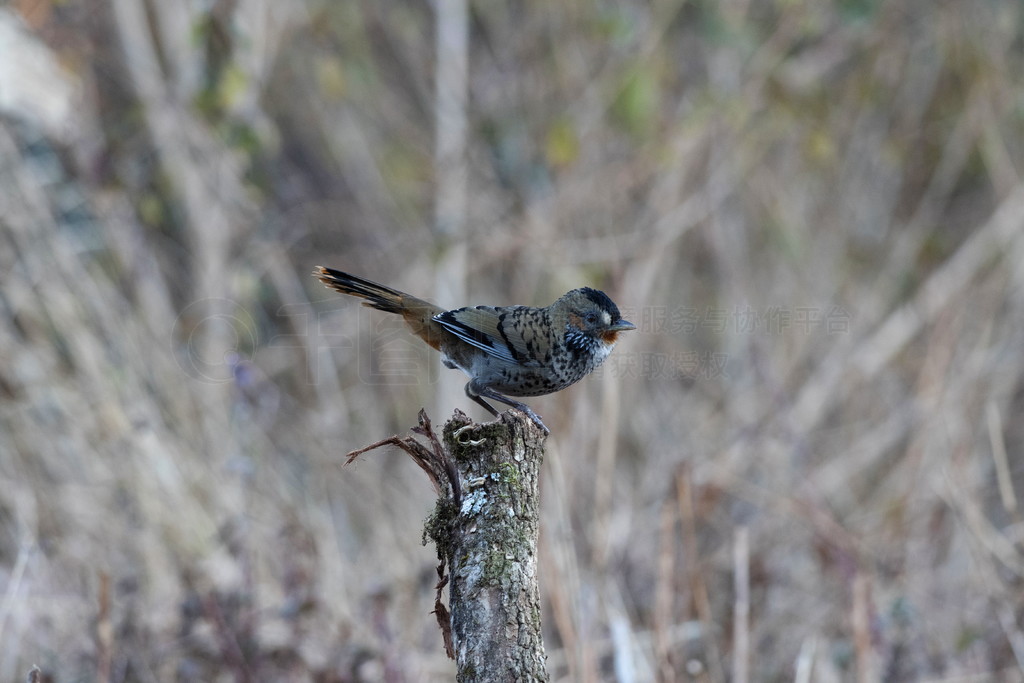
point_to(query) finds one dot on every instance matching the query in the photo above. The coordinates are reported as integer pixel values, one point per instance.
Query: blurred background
(805, 464)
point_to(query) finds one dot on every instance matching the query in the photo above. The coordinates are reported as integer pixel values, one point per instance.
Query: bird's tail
(377, 296)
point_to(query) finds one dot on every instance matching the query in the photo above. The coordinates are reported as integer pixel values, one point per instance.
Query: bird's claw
(535, 417)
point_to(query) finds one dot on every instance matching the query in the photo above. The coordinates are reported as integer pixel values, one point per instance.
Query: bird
(504, 350)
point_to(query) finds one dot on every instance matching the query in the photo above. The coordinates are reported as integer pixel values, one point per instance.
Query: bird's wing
(486, 328)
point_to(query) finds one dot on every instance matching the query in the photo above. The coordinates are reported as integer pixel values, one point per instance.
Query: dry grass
(805, 466)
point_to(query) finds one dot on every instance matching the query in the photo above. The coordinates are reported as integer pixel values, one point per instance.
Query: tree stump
(485, 527)
(490, 545)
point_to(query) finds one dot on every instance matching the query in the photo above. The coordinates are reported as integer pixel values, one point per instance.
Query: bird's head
(592, 315)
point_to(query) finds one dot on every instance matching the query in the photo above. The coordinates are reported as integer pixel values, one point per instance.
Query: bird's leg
(487, 406)
(477, 393)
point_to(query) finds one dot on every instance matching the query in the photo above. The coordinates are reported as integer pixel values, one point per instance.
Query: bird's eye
(590, 318)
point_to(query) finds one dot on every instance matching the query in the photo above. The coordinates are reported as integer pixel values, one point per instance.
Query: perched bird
(505, 350)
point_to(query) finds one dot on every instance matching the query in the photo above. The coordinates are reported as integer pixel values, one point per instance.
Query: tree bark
(490, 544)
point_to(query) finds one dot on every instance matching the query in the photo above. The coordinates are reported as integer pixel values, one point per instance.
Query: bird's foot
(522, 407)
(477, 394)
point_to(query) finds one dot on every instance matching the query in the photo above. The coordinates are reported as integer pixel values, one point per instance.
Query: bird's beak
(621, 326)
